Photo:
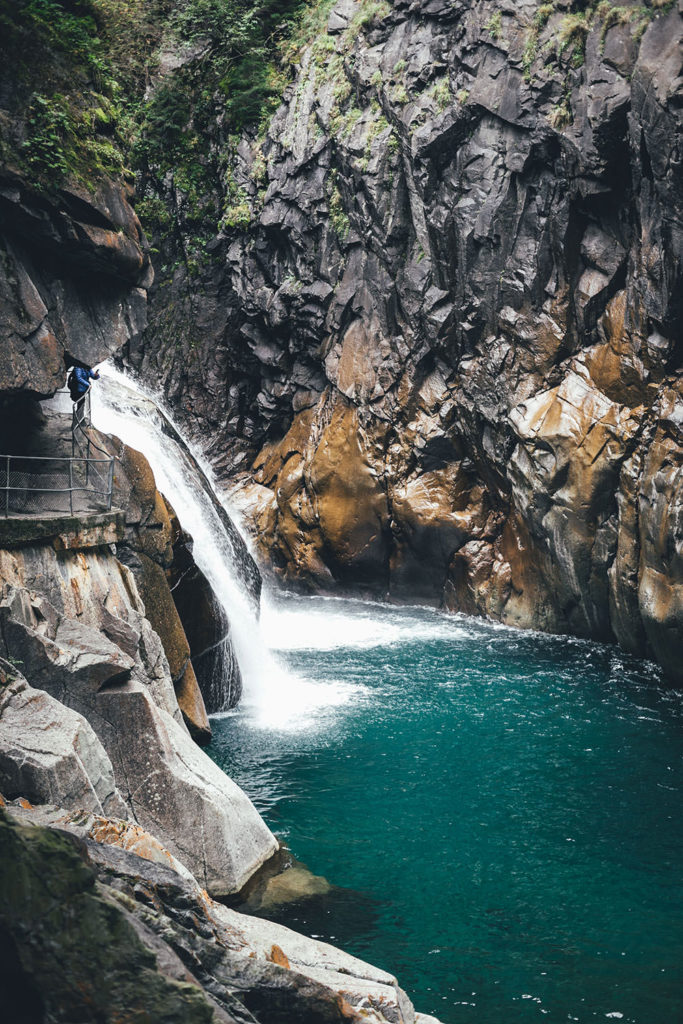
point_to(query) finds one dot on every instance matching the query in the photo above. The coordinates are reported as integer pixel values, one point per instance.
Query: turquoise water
(500, 810)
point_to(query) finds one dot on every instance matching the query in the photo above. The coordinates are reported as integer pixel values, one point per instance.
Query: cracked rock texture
(442, 361)
(165, 950)
(87, 658)
(73, 280)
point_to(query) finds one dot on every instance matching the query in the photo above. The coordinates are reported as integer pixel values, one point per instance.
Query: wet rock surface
(443, 359)
(73, 279)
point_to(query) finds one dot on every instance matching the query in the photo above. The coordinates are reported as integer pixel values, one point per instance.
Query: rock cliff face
(73, 280)
(442, 359)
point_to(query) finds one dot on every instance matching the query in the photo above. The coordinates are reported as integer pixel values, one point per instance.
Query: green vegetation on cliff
(160, 91)
(117, 87)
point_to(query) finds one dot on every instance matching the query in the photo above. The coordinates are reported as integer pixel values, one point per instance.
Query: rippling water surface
(501, 811)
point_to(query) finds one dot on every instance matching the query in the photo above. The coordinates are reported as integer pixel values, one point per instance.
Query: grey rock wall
(443, 359)
(73, 278)
(50, 753)
(74, 623)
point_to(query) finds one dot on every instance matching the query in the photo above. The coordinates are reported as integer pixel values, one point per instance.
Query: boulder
(74, 950)
(49, 753)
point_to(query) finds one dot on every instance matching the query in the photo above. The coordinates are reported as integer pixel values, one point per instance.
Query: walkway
(57, 468)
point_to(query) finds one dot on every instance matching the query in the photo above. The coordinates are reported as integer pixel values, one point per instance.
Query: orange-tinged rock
(351, 504)
(163, 615)
(277, 956)
(191, 704)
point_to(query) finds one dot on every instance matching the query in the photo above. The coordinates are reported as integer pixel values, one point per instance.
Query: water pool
(499, 810)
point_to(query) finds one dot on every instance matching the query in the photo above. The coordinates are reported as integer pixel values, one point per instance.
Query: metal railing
(34, 485)
(82, 444)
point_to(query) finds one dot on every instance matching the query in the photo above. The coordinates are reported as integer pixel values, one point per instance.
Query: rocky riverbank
(432, 345)
(96, 916)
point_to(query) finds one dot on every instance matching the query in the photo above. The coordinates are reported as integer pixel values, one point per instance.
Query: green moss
(560, 115)
(80, 956)
(338, 216)
(574, 29)
(154, 215)
(377, 126)
(530, 53)
(237, 210)
(440, 93)
(372, 12)
(494, 26)
(64, 103)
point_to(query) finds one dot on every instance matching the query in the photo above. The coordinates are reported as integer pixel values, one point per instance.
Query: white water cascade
(272, 696)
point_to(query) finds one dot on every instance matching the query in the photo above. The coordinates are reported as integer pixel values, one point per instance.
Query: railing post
(111, 485)
(7, 489)
(71, 488)
(87, 462)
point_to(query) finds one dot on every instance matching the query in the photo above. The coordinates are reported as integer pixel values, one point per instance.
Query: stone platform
(64, 532)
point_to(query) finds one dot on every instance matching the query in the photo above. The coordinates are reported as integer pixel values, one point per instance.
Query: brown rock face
(148, 551)
(443, 361)
(163, 615)
(73, 280)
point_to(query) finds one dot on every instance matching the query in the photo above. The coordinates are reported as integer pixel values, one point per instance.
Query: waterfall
(273, 696)
(120, 406)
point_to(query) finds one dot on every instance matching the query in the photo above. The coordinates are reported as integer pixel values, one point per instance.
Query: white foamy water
(273, 696)
(325, 624)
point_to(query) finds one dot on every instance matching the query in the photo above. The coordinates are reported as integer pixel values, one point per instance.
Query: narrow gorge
(341, 621)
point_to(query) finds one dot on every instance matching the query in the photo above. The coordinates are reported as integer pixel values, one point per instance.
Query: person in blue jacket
(79, 381)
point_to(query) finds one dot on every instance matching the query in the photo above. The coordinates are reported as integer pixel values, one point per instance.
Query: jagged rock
(460, 219)
(254, 970)
(49, 752)
(87, 597)
(109, 831)
(51, 308)
(72, 947)
(170, 787)
(178, 793)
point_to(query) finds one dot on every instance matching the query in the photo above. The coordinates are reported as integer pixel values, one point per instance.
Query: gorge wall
(434, 351)
(99, 701)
